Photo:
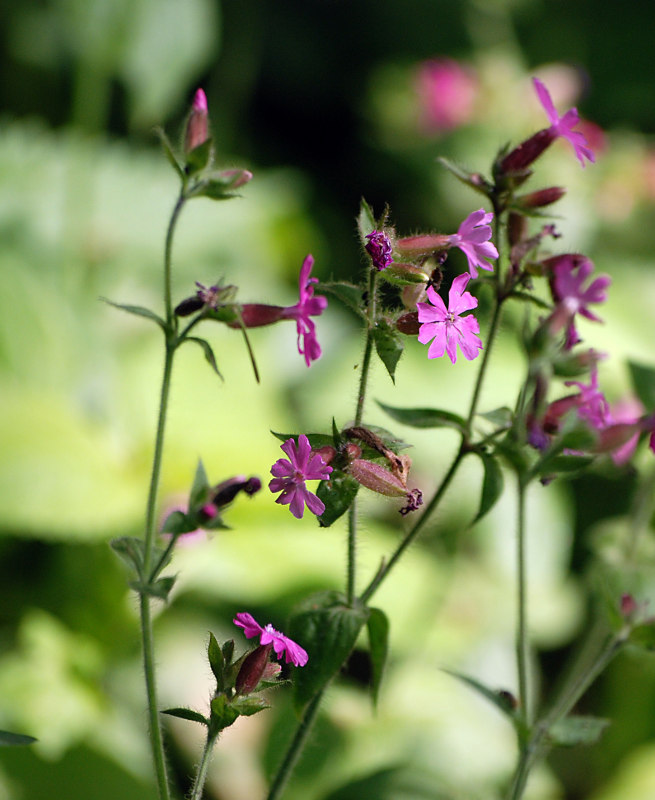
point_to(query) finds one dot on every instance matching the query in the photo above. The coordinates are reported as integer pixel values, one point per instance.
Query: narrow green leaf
(198, 158)
(378, 637)
(425, 417)
(177, 522)
(316, 440)
(643, 382)
(140, 311)
(577, 730)
(327, 628)
(199, 488)
(500, 417)
(337, 493)
(389, 345)
(365, 221)
(9, 739)
(130, 550)
(500, 698)
(186, 713)
(216, 661)
(492, 484)
(350, 295)
(207, 350)
(472, 179)
(228, 650)
(169, 152)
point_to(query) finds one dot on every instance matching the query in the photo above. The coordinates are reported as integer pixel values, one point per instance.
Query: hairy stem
(521, 605)
(203, 767)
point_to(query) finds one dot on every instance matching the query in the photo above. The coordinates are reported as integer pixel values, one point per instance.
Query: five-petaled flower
(472, 238)
(289, 476)
(306, 307)
(379, 249)
(269, 636)
(446, 326)
(563, 126)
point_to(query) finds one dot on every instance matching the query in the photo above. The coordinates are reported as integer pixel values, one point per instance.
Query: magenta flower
(269, 636)
(306, 307)
(290, 476)
(446, 326)
(472, 238)
(591, 403)
(563, 126)
(379, 249)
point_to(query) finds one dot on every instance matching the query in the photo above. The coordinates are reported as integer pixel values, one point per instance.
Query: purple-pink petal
(563, 126)
(249, 624)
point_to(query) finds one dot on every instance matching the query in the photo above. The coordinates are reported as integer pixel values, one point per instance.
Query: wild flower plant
(536, 437)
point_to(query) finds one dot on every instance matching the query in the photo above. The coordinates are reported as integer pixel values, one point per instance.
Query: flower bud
(423, 244)
(542, 197)
(517, 227)
(234, 178)
(377, 478)
(408, 323)
(254, 315)
(629, 606)
(411, 295)
(527, 152)
(352, 451)
(253, 669)
(226, 491)
(197, 127)
(327, 453)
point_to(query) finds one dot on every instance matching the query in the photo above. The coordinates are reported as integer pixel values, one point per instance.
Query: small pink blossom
(472, 238)
(197, 128)
(626, 412)
(447, 93)
(446, 326)
(563, 126)
(379, 249)
(591, 403)
(306, 307)
(290, 475)
(269, 636)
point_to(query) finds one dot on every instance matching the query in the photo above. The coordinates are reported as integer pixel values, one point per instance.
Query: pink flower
(197, 128)
(447, 92)
(379, 249)
(269, 636)
(306, 307)
(563, 126)
(626, 412)
(591, 403)
(446, 326)
(472, 238)
(290, 476)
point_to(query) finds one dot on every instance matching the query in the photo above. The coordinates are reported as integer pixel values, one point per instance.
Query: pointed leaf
(500, 417)
(186, 713)
(350, 295)
(200, 487)
(492, 484)
(222, 714)
(337, 493)
(170, 154)
(177, 522)
(140, 311)
(389, 345)
(130, 550)
(365, 221)
(8, 739)
(228, 650)
(425, 417)
(316, 440)
(327, 628)
(160, 588)
(577, 730)
(207, 350)
(198, 158)
(247, 706)
(216, 661)
(503, 700)
(378, 637)
(472, 179)
(643, 381)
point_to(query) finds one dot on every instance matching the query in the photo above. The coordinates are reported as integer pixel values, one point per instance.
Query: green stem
(352, 552)
(201, 775)
(168, 253)
(521, 603)
(295, 748)
(493, 330)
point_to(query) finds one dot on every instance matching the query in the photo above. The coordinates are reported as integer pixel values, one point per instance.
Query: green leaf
(160, 588)
(501, 699)
(500, 417)
(130, 550)
(389, 345)
(8, 739)
(350, 295)
(492, 484)
(577, 730)
(177, 522)
(472, 179)
(327, 628)
(643, 636)
(563, 464)
(198, 158)
(216, 661)
(365, 221)
(200, 488)
(643, 381)
(378, 637)
(207, 350)
(400, 274)
(186, 713)
(425, 417)
(247, 706)
(222, 714)
(140, 311)
(316, 440)
(228, 650)
(337, 493)
(170, 154)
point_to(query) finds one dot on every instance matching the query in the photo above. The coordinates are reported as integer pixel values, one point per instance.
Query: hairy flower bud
(520, 158)
(423, 244)
(377, 478)
(197, 127)
(542, 197)
(253, 669)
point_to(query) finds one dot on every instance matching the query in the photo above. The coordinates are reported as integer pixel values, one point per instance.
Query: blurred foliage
(319, 99)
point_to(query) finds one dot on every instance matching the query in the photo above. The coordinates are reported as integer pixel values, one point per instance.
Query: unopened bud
(629, 606)
(423, 244)
(254, 315)
(253, 669)
(234, 178)
(527, 152)
(377, 478)
(408, 323)
(352, 451)
(197, 127)
(327, 453)
(517, 227)
(225, 492)
(542, 197)
(411, 295)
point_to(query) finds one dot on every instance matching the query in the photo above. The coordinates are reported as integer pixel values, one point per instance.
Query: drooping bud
(197, 127)
(520, 158)
(542, 197)
(254, 315)
(225, 492)
(253, 669)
